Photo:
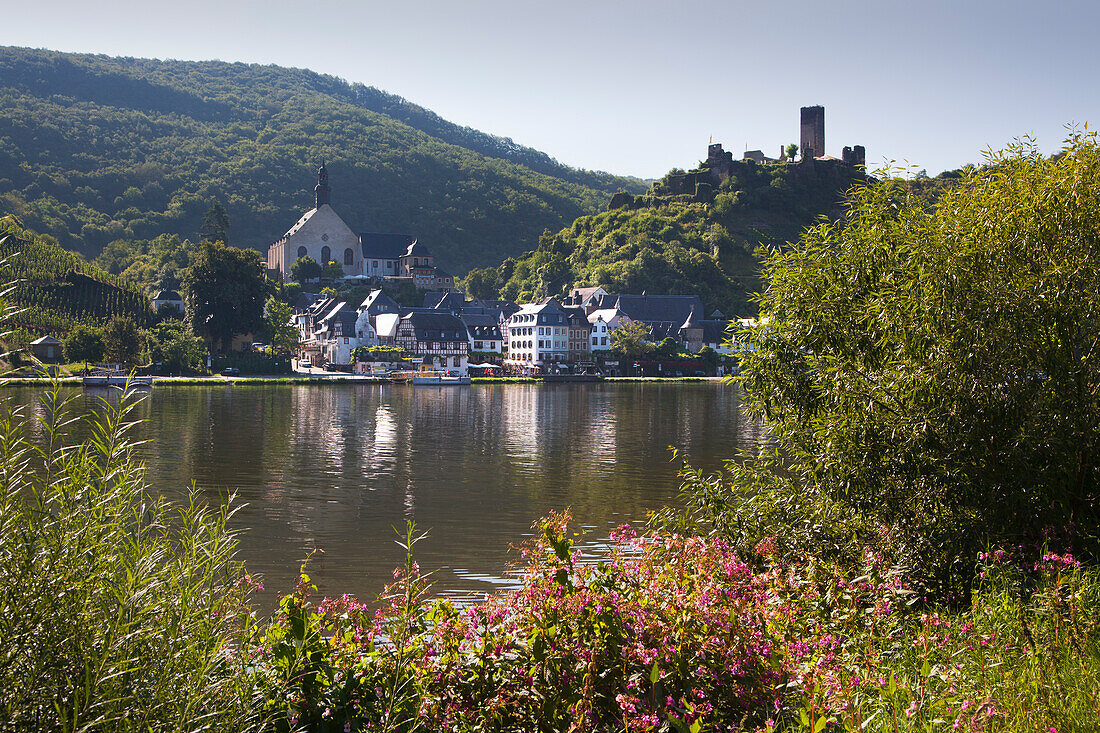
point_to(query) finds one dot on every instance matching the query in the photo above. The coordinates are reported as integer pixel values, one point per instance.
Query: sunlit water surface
(336, 468)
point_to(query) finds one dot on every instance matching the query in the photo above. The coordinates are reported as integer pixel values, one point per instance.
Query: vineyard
(56, 289)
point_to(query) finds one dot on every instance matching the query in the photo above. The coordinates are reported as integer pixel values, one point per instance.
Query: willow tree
(934, 369)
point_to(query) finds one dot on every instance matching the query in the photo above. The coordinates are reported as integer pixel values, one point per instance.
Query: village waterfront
(334, 468)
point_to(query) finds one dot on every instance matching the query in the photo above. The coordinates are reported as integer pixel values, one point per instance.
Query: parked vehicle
(305, 364)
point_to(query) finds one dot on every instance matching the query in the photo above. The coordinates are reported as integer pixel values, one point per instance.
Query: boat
(433, 377)
(116, 379)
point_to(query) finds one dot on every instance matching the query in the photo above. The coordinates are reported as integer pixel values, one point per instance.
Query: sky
(640, 87)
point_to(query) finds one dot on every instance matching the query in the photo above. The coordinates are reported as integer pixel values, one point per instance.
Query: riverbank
(329, 378)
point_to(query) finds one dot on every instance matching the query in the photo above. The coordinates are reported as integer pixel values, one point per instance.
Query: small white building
(169, 298)
(603, 323)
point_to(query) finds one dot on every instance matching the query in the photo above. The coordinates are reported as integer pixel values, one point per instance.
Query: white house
(538, 334)
(603, 322)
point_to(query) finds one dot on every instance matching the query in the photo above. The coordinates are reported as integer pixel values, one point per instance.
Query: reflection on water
(336, 468)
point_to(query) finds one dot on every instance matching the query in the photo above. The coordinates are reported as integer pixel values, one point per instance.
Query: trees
(935, 371)
(122, 341)
(215, 223)
(790, 151)
(85, 344)
(305, 269)
(177, 350)
(631, 339)
(332, 270)
(282, 335)
(225, 290)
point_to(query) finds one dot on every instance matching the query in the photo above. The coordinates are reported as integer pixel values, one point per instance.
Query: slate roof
(576, 315)
(384, 246)
(653, 308)
(305, 300)
(445, 301)
(417, 249)
(378, 302)
(436, 326)
(339, 313)
(167, 295)
(714, 331)
(483, 327)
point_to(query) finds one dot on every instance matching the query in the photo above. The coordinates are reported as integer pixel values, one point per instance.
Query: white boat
(115, 379)
(430, 377)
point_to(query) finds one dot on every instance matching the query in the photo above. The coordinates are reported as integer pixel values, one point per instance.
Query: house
(439, 339)
(579, 330)
(538, 335)
(484, 333)
(46, 348)
(167, 299)
(341, 330)
(603, 322)
(583, 297)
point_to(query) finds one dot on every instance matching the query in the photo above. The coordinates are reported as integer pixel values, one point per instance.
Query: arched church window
(326, 255)
(301, 252)
(349, 257)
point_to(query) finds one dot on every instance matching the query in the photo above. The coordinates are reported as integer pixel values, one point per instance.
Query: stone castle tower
(812, 139)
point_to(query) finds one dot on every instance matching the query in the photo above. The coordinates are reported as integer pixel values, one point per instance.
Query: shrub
(118, 611)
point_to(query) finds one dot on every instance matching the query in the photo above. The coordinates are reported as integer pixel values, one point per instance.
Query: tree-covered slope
(666, 243)
(95, 149)
(54, 289)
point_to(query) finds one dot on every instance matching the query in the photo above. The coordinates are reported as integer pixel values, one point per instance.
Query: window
(374, 265)
(326, 255)
(347, 340)
(457, 362)
(603, 341)
(477, 345)
(349, 257)
(389, 264)
(301, 252)
(595, 341)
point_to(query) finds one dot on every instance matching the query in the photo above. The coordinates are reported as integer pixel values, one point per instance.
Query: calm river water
(336, 468)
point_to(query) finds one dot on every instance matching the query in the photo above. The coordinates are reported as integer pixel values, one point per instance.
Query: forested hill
(664, 242)
(96, 149)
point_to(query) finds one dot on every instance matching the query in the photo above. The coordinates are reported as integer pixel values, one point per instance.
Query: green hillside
(96, 149)
(700, 243)
(54, 289)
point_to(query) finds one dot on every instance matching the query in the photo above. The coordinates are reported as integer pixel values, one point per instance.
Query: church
(322, 235)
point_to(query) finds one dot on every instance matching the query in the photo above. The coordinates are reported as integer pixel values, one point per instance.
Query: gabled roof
(305, 300)
(167, 295)
(692, 321)
(417, 249)
(715, 331)
(485, 327)
(46, 341)
(444, 301)
(378, 302)
(435, 326)
(384, 246)
(653, 308)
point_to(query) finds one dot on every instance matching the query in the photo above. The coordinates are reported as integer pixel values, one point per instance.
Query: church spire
(322, 190)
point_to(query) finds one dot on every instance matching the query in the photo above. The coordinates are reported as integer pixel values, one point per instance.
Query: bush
(934, 370)
(118, 611)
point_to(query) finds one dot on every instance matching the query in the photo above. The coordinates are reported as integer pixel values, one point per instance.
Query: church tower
(321, 192)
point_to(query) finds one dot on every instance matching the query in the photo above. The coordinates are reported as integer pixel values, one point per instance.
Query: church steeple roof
(322, 190)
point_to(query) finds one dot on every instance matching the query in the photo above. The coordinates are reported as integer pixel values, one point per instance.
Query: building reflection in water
(338, 468)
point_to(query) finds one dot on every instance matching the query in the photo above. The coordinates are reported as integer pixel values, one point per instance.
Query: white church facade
(322, 235)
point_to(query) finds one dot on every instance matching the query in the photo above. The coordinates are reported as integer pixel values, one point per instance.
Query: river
(336, 468)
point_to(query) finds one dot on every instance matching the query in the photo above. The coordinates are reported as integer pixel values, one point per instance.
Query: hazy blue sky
(639, 87)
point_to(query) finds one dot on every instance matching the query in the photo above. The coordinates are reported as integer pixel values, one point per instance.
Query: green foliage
(675, 245)
(118, 610)
(155, 264)
(933, 369)
(631, 339)
(85, 344)
(305, 269)
(96, 149)
(215, 223)
(121, 341)
(332, 270)
(55, 290)
(379, 353)
(176, 349)
(281, 333)
(225, 291)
